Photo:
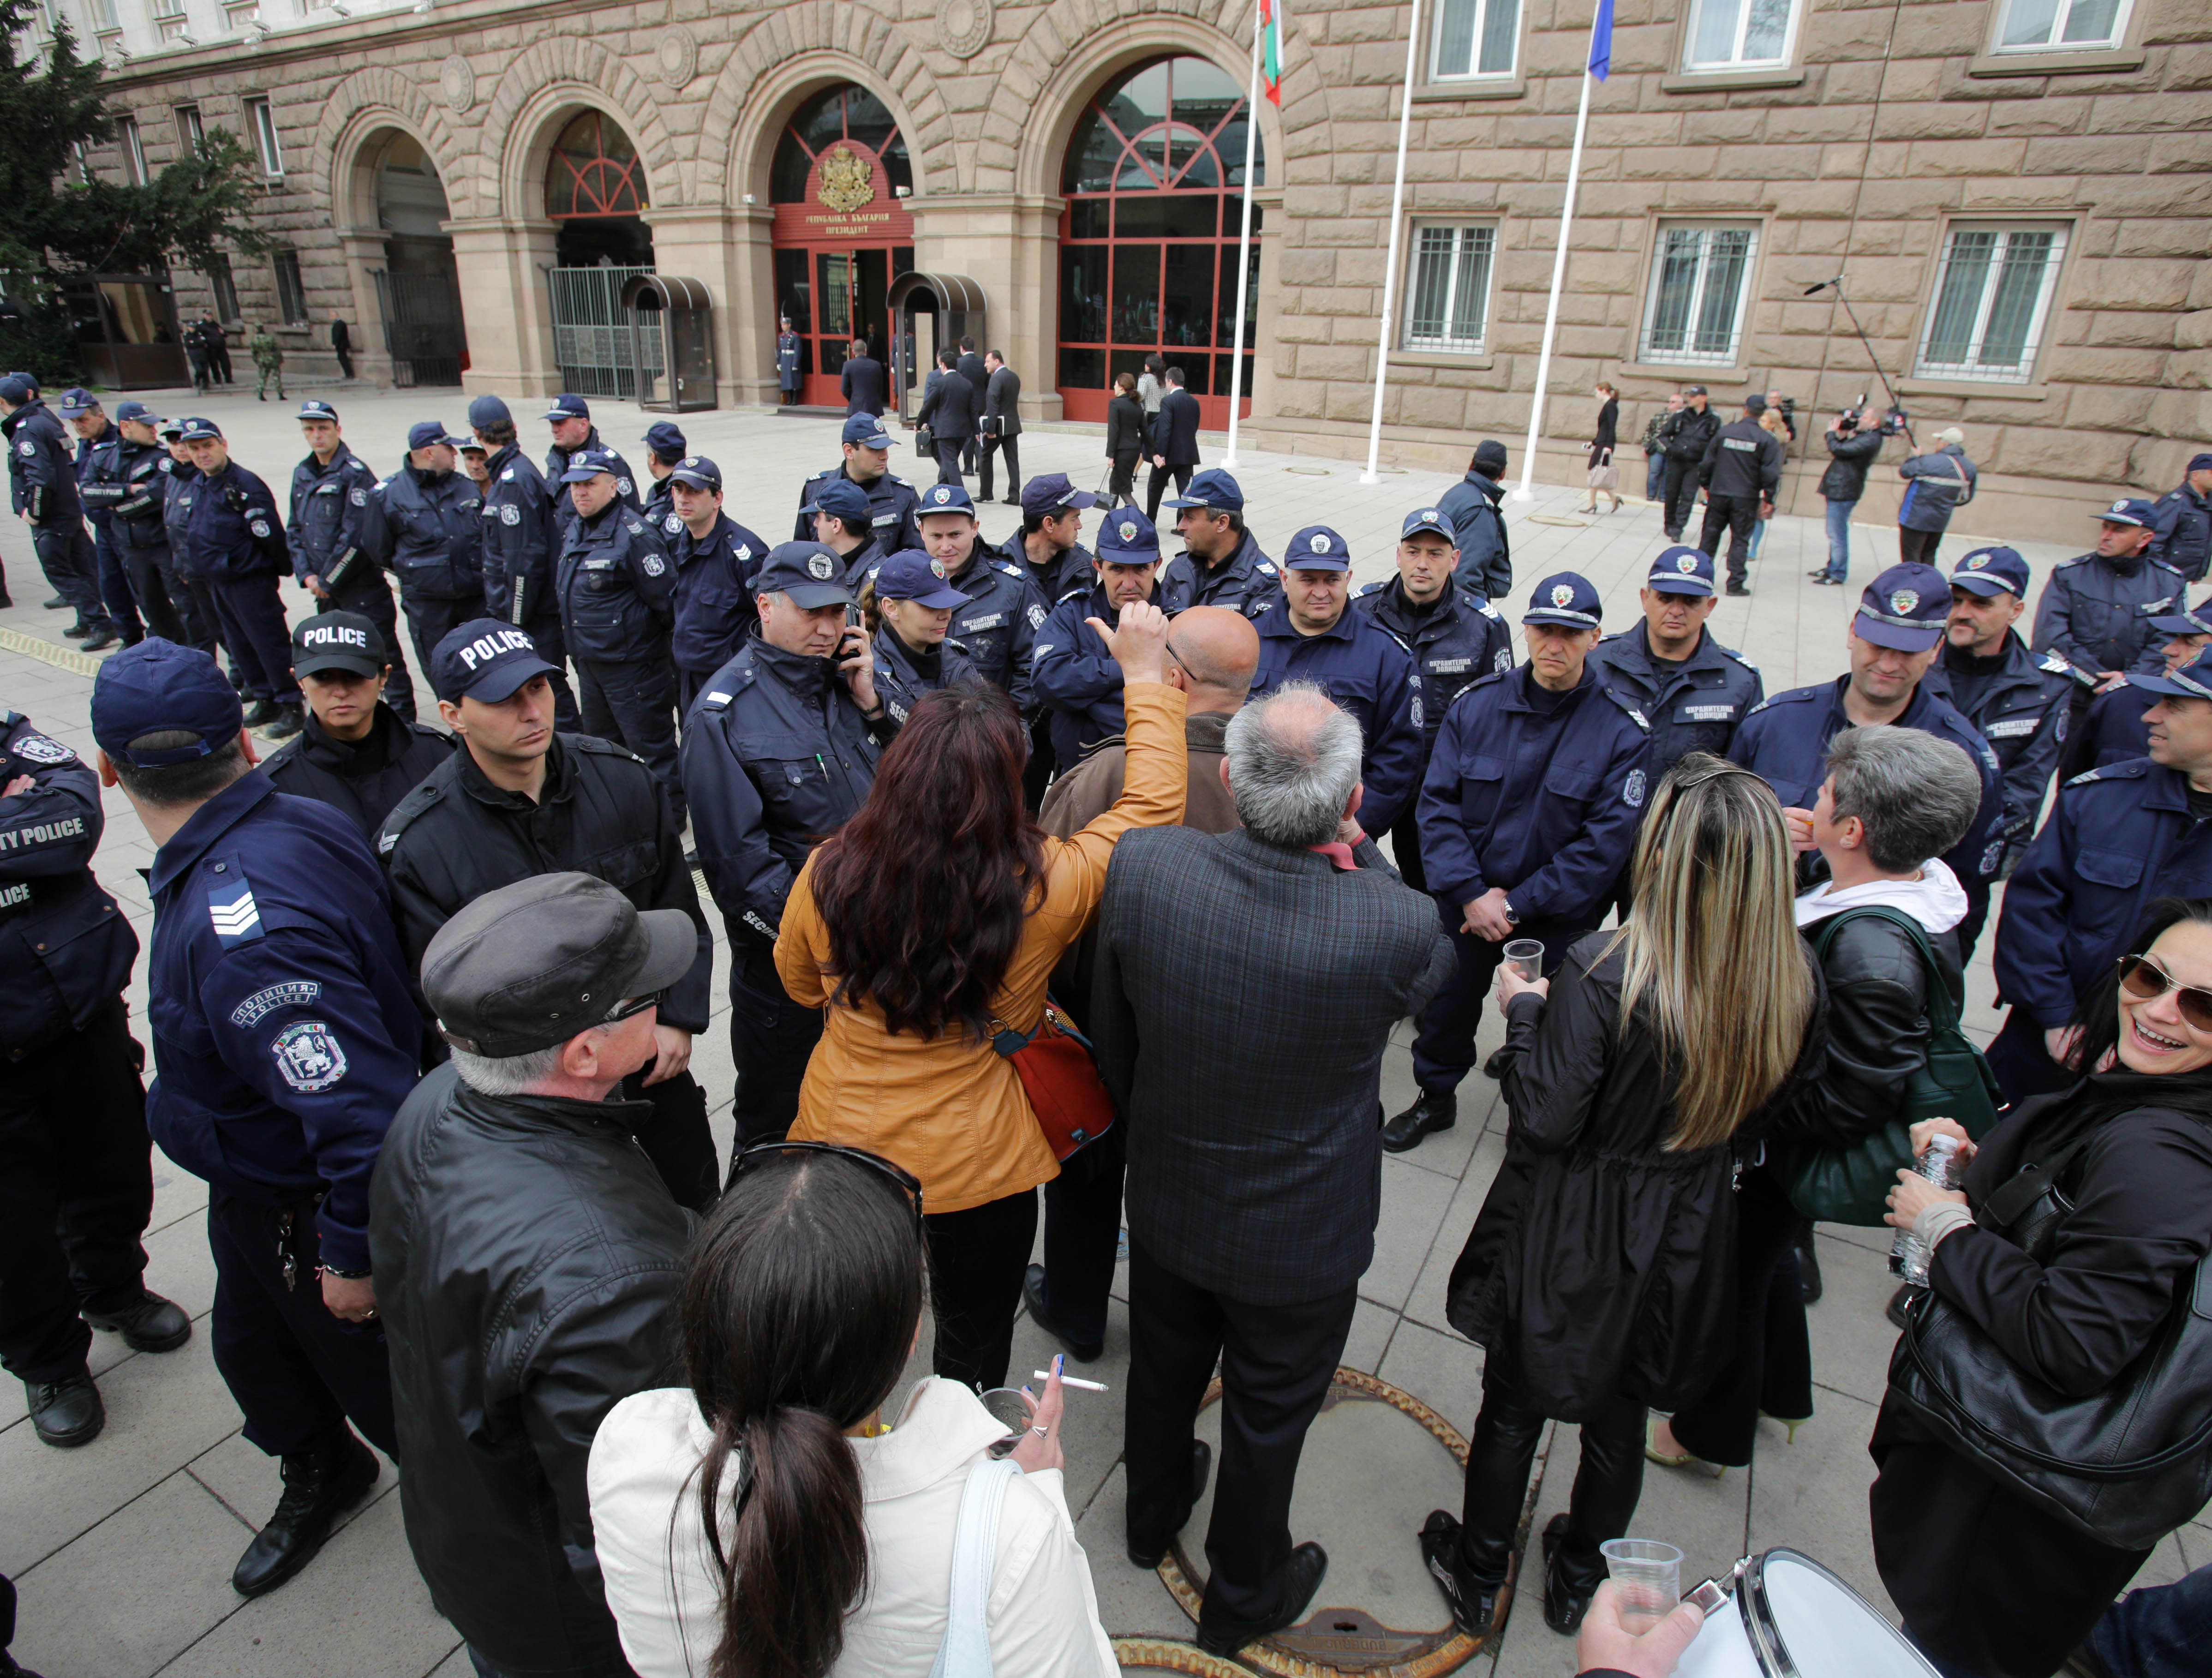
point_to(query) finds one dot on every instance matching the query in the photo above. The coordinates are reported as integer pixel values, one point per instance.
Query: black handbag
(2126, 1466)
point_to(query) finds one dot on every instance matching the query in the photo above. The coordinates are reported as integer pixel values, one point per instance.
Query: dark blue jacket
(41, 465)
(1079, 685)
(2117, 837)
(96, 465)
(231, 526)
(1475, 508)
(1543, 803)
(519, 542)
(775, 757)
(1938, 485)
(1785, 741)
(564, 508)
(715, 608)
(998, 627)
(2114, 728)
(2184, 532)
(1245, 581)
(1075, 568)
(176, 508)
(284, 1027)
(617, 587)
(2097, 612)
(1454, 645)
(429, 529)
(1696, 705)
(132, 482)
(894, 509)
(65, 948)
(1368, 671)
(902, 677)
(2021, 713)
(331, 517)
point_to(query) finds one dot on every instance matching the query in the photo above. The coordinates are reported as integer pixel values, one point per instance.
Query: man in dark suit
(951, 410)
(1175, 442)
(1002, 425)
(863, 382)
(1254, 1169)
(971, 366)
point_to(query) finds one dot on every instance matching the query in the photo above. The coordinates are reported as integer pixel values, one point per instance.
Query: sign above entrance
(844, 180)
(848, 201)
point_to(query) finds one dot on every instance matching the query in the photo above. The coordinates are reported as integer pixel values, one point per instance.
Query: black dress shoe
(1201, 1464)
(67, 1412)
(265, 712)
(57, 604)
(1564, 1606)
(1475, 1603)
(149, 1323)
(1309, 1566)
(1737, 588)
(321, 1484)
(1436, 1110)
(288, 722)
(101, 640)
(76, 631)
(1085, 1350)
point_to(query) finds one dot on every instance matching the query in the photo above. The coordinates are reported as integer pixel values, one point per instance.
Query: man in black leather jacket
(527, 1260)
(1684, 437)
(356, 754)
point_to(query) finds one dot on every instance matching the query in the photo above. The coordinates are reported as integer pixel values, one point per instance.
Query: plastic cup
(1525, 956)
(1012, 1411)
(1647, 1580)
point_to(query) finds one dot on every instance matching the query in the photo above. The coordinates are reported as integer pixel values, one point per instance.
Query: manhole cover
(1376, 1461)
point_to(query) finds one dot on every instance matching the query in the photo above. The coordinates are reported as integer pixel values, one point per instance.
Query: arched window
(850, 114)
(593, 171)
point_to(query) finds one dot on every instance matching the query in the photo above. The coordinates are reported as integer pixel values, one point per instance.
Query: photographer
(1851, 450)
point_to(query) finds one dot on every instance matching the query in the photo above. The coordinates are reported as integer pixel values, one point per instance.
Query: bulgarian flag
(1270, 49)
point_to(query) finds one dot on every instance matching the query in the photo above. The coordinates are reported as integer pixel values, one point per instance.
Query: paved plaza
(123, 1549)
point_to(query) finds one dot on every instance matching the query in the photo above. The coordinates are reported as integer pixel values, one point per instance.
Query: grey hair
(508, 1074)
(1293, 760)
(1915, 794)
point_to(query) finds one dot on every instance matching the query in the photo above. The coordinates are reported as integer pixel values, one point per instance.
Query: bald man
(1213, 653)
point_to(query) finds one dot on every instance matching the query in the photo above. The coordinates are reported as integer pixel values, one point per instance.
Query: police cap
(807, 572)
(1905, 609)
(77, 400)
(158, 687)
(485, 660)
(423, 434)
(1992, 571)
(195, 429)
(567, 406)
(946, 498)
(587, 463)
(666, 440)
(337, 641)
(1212, 489)
(912, 574)
(1681, 570)
(841, 498)
(315, 408)
(1566, 598)
(1317, 548)
(1128, 537)
(2191, 680)
(1048, 495)
(867, 431)
(133, 410)
(1428, 520)
(489, 411)
(2195, 620)
(2130, 510)
(701, 473)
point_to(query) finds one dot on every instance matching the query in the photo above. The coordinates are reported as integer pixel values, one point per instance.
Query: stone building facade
(2017, 193)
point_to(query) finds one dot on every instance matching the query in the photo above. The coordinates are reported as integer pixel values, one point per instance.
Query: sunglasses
(770, 1147)
(636, 1005)
(2146, 980)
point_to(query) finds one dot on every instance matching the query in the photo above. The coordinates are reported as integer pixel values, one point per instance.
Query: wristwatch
(1511, 918)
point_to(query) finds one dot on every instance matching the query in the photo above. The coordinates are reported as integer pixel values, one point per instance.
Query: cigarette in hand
(1071, 1381)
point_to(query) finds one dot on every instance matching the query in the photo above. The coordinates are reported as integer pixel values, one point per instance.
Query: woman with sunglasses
(930, 921)
(765, 1519)
(1599, 1272)
(1988, 1582)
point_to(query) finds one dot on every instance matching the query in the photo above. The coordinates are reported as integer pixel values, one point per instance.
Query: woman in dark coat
(1599, 1274)
(1125, 440)
(1989, 1583)
(1604, 478)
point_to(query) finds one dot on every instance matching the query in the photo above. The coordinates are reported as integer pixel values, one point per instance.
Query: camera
(1896, 422)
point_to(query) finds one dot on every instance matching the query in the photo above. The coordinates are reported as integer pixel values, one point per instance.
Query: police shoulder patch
(297, 994)
(1036, 616)
(359, 498)
(672, 524)
(232, 911)
(1489, 611)
(2086, 777)
(37, 749)
(655, 565)
(1731, 653)
(308, 1056)
(1266, 567)
(1011, 569)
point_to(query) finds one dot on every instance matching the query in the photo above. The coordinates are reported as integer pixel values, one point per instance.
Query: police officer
(2114, 730)
(1528, 813)
(1050, 544)
(331, 534)
(287, 1035)
(778, 752)
(233, 539)
(893, 504)
(520, 549)
(574, 434)
(1079, 685)
(997, 628)
(427, 525)
(203, 623)
(1684, 437)
(128, 481)
(914, 654)
(42, 485)
(617, 588)
(76, 1184)
(665, 447)
(716, 560)
(1738, 472)
(1894, 641)
(2096, 610)
(2016, 700)
(2182, 532)
(95, 443)
(844, 525)
(356, 754)
(2116, 838)
(1474, 508)
(1693, 690)
(519, 799)
(1221, 564)
(1313, 636)
(1455, 637)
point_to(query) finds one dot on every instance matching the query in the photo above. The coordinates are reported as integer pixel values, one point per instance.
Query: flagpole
(1390, 262)
(1244, 247)
(1558, 276)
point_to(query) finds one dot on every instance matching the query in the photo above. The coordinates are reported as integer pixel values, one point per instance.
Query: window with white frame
(1700, 292)
(1448, 288)
(1740, 34)
(1992, 300)
(191, 130)
(133, 151)
(2031, 26)
(263, 121)
(170, 23)
(1475, 38)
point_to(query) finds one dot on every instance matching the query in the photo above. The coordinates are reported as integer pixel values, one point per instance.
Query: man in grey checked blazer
(1247, 982)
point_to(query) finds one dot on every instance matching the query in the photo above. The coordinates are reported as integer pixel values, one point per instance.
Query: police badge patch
(37, 749)
(510, 516)
(621, 486)
(1633, 793)
(655, 565)
(819, 568)
(1903, 602)
(308, 1056)
(27, 446)
(672, 524)
(1036, 617)
(1563, 595)
(359, 498)
(260, 528)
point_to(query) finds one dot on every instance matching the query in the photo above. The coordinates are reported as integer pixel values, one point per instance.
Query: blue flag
(1600, 54)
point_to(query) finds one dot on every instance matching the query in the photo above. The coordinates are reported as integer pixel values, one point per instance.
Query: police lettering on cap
(2130, 510)
(1317, 548)
(195, 428)
(2195, 620)
(1212, 489)
(840, 498)
(701, 473)
(946, 498)
(911, 574)
(867, 431)
(132, 410)
(1566, 598)
(1905, 609)
(2193, 679)
(533, 964)
(337, 641)
(1431, 520)
(313, 409)
(1681, 570)
(78, 400)
(1048, 495)
(1989, 571)
(426, 433)
(587, 463)
(158, 687)
(1128, 537)
(485, 660)
(485, 411)
(807, 572)
(567, 406)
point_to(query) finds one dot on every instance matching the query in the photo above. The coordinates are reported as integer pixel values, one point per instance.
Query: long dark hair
(801, 1297)
(925, 891)
(2097, 1013)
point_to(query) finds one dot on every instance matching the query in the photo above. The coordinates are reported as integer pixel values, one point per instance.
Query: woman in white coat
(833, 1538)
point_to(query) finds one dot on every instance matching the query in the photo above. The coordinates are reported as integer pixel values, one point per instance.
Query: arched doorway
(1154, 181)
(596, 194)
(839, 181)
(418, 287)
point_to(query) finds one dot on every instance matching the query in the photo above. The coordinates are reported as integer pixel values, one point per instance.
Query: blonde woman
(1776, 424)
(1600, 1273)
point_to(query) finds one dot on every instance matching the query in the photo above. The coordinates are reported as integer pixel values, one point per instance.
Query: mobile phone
(853, 619)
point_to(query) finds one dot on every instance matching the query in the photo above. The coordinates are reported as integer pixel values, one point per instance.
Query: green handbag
(1851, 1185)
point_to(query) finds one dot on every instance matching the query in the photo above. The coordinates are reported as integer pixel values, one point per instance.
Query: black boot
(1309, 1566)
(147, 1323)
(101, 640)
(1565, 1600)
(67, 1412)
(1085, 1350)
(287, 722)
(321, 1484)
(263, 713)
(1809, 1263)
(1479, 1606)
(1436, 1110)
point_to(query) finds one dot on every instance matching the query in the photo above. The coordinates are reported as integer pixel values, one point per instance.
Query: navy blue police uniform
(904, 673)
(203, 623)
(777, 756)
(2184, 523)
(1079, 685)
(847, 502)
(1693, 704)
(363, 778)
(559, 460)
(129, 481)
(1051, 495)
(1245, 581)
(2113, 729)
(665, 442)
(429, 527)
(331, 534)
(714, 595)
(894, 507)
(42, 487)
(2096, 613)
(1474, 508)
(93, 463)
(519, 550)
(234, 538)
(998, 626)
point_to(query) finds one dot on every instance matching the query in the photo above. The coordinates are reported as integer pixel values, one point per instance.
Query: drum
(1792, 1618)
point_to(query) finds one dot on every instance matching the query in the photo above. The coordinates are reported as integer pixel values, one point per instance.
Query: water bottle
(1908, 1254)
